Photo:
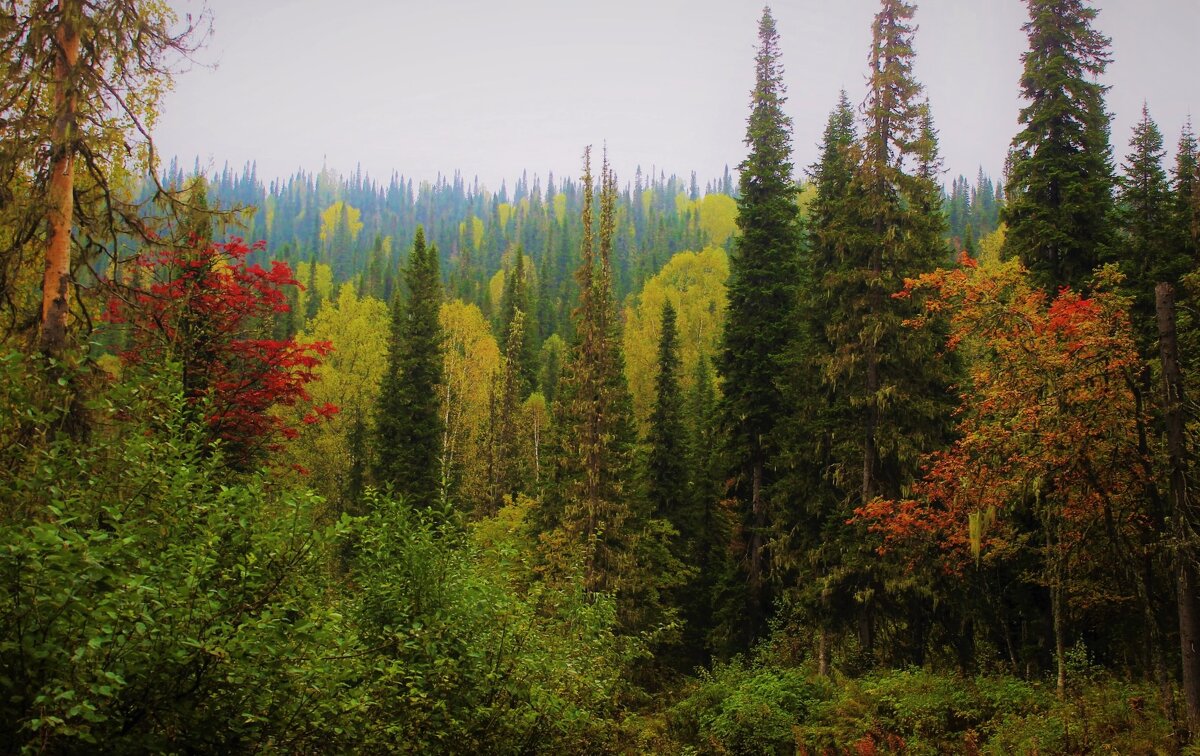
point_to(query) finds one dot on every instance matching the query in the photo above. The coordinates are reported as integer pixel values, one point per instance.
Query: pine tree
(409, 426)
(1185, 196)
(666, 479)
(889, 398)
(1061, 179)
(1144, 214)
(594, 514)
(759, 320)
(515, 299)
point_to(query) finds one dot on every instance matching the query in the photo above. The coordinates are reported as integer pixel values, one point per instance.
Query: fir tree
(312, 302)
(514, 300)
(666, 479)
(1185, 199)
(759, 320)
(887, 386)
(593, 514)
(511, 475)
(409, 426)
(1060, 183)
(1147, 253)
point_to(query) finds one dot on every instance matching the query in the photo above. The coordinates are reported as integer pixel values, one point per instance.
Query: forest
(846, 458)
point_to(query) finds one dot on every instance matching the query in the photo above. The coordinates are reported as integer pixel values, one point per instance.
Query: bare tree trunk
(1189, 608)
(61, 191)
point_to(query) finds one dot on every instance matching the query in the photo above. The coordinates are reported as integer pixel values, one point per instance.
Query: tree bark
(756, 611)
(1181, 510)
(60, 208)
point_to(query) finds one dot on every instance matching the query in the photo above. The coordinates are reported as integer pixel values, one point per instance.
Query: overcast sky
(491, 87)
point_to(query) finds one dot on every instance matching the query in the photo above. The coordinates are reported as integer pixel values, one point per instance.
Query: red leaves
(1047, 420)
(209, 311)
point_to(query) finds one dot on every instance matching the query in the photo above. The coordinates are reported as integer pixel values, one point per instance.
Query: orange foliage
(1047, 420)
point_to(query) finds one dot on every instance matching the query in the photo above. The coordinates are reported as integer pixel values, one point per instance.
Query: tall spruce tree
(1148, 254)
(1061, 178)
(806, 552)
(759, 320)
(515, 299)
(889, 398)
(1185, 195)
(594, 514)
(666, 478)
(409, 426)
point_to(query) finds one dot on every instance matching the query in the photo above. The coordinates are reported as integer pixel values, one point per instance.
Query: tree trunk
(754, 566)
(1058, 608)
(60, 207)
(1189, 608)
(823, 651)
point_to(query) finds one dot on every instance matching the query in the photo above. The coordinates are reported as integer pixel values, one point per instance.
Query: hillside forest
(841, 458)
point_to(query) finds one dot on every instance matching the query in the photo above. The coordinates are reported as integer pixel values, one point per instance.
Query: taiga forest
(849, 457)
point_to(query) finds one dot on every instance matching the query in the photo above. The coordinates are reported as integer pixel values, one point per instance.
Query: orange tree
(1046, 463)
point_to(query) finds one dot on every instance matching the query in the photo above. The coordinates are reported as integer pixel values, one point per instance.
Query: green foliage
(150, 602)
(1060, 172)
(764, 271)
(744, 707)
(465, 653)
(409, 425)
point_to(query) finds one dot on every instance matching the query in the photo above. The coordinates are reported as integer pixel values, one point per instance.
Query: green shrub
(147, 601)
(742, 708)
(460, 661)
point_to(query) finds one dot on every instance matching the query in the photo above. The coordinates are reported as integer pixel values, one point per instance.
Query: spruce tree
(1144, 213)
(1061, 178)
(1185, 196)
(515, 299)
(511, 474)
(666, 479)
(759, 320)
(594, 515)
(409, 426)
(887, 386)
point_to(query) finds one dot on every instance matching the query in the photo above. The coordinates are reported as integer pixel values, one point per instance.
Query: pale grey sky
(490, 87)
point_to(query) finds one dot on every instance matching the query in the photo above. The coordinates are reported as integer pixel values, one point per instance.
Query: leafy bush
(764, 708)
(745, 708)
(145, 603)
(459, 661)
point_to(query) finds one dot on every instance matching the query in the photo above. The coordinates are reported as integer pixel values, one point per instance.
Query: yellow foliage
(718, 217)
(504, 211)
(989, 247)
(471, 360)
(332, 218)
(349, 377)
(683, 203)
(808, 193)
(476, 232)
(560, 207)
(323, 284)
(496, 289)
(694, 282)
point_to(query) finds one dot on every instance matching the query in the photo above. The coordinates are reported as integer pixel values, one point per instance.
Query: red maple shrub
(210, 313)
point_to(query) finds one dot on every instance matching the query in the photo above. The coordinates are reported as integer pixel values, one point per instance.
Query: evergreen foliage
(666, 478)
(408, 425)
(1147, 250)
(763, 274)
(1060, 181)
